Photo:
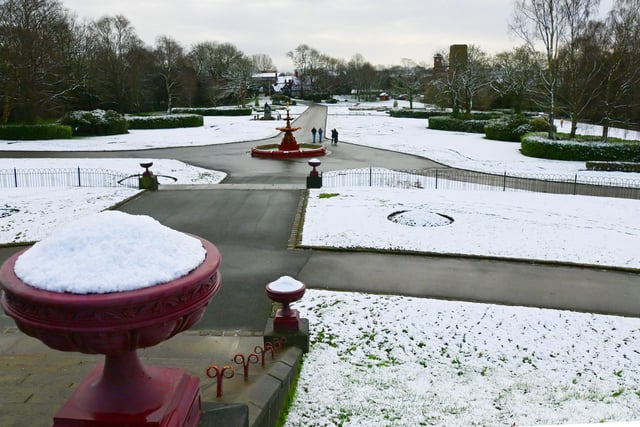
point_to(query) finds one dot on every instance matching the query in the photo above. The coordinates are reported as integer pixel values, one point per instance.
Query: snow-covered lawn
(30, 214)
(395, 361)
(575, 229)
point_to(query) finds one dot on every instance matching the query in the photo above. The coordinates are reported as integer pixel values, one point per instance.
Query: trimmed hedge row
(96, 123)
(413, 114)
(165, 122)
(460, 125)
(538, 145)
(613, 166)
(513, 128)
(35, 132)
(214, 111)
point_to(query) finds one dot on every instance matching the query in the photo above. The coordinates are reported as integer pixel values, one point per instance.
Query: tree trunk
(6, 109)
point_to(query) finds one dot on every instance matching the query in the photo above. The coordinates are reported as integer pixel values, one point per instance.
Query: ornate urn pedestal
(121, 391)
(285, 291)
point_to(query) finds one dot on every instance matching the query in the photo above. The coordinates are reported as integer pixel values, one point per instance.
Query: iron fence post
(15, 176)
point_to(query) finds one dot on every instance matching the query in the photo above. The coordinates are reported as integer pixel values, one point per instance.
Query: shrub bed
(613, 166)
(538, 145)
(34, 132)
(213, 111)
(165, 122)
(414, 114)
(514, 127)
(460, 125)
(278, 99)
(96, 123)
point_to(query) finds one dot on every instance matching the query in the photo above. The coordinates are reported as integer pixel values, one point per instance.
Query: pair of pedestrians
(334, 136)
(313, 135)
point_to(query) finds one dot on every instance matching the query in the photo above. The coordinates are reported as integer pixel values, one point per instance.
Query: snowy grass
(397, 361)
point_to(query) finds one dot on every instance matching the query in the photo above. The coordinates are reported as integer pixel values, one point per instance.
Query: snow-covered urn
(109, 284)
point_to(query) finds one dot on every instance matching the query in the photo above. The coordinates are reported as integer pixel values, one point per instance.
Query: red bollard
(245, 362)
(226, 372)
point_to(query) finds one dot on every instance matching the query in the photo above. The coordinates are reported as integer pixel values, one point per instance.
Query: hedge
(513, 128)
(613, 166)
(460, 125)
(214, 111)
(538, 145)
(96, 123)
(165, 122)
(35, 132)
(414, 114)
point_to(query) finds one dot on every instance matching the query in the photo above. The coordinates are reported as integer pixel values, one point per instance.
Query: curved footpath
(253, 219)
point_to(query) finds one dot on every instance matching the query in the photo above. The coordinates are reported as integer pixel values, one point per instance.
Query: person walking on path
(313, 135)
(320, 136)
(334, 136)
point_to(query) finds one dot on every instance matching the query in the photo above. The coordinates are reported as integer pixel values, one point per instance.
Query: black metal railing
(455, 179)
(67, 177)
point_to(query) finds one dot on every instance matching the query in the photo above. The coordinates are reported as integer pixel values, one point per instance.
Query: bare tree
(238, 77)
(543, 21)
(114, 52)
(409, 79)
(262, 63)
(307, 61)
(579, 63)
(362, 76)
(514, 75)
(169, 57)
(622, 63)
(212, 62)
(582, 66)
(35, 40)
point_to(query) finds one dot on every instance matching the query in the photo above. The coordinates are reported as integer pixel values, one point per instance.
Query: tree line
(570, 64)
(51, 63)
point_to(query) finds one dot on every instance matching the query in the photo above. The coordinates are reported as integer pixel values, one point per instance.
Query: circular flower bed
(420, 218)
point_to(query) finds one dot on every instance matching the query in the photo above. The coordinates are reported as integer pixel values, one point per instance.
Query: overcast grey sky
(384, 32)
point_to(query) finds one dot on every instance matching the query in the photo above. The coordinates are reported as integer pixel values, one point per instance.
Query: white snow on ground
(586, 230)
(457, 149)
(396, 361)
(216, 130)
(31, 214)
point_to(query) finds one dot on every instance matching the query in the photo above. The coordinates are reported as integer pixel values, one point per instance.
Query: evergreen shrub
(96, 123)
(514, 127)
(213, 111)
(613, 166)
(414, 114)
(169, 121)
(460, 125)
(35, 132)
(615, 150)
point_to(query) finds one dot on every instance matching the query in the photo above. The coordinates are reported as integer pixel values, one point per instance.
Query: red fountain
(121, 391)
(289, 147)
